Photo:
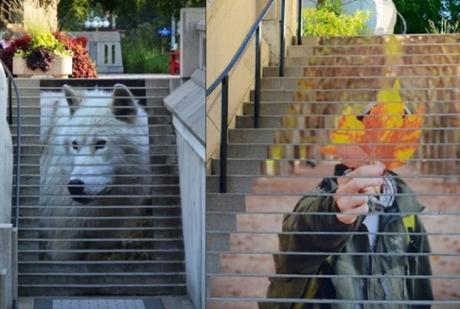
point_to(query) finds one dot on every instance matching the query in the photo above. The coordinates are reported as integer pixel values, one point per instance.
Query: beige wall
(272, 27)
(228, 22)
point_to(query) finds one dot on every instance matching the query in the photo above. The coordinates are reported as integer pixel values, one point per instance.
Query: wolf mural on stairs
(95, 154)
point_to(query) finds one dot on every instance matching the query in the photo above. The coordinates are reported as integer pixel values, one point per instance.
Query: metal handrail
(224, 79)
(404, 23)
(240, 50)
(18, 139)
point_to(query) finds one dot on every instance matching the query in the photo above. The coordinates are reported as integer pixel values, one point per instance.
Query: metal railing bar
(98, 262)
(244, 45)
(257, 77)
(156, 207)
(299, 21)
(319, 253)
(377, 276)
(282, 37)
(10, 103)
(318, 177)
(238, 299)
(100, 239)
(102, 229)
(327, 233)
(17, 144)
(70, 274)
(224, 135)
(93, 286)
(403, 22)
(364, 66)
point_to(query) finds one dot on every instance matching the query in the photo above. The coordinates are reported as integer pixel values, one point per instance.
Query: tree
(130, 13)
(417, 13)
(172, 7)
(72, 13)
(451, 10)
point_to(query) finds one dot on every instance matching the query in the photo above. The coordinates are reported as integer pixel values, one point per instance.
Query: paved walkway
(169, 302)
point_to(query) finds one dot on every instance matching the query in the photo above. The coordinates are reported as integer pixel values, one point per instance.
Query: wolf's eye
(100, 144)
(75, 145)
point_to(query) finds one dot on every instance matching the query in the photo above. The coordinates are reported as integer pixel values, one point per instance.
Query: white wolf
(95, 154)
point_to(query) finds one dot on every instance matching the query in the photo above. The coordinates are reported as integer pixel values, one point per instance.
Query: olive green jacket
(382, 275)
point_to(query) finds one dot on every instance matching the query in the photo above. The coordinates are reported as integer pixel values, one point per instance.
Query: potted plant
(43, 55)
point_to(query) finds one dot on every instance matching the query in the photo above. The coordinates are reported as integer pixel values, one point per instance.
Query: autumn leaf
(386, 133)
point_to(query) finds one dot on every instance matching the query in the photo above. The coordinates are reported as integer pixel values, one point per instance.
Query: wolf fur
(95, 154)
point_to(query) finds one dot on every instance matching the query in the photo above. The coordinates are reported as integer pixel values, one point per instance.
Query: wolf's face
(97, 136)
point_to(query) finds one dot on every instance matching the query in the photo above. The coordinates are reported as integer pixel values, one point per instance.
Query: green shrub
(324, 22)
(445, 26)
(143, 51)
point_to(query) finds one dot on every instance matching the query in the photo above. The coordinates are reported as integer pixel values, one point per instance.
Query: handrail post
(282, 37)
(257, 78)
(223, 137)
(299, 21)
(10, 103)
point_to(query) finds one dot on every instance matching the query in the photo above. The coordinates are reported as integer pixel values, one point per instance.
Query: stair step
(225, 202)
(347, 83)
(234, 263)
(357, 60)
(68, 267)
(353, 95)
(372, 39)
(265, 185)
(103, 290)
(368, 70)
(239, 286)
(114, 278)
(312, 109)
(265, 167)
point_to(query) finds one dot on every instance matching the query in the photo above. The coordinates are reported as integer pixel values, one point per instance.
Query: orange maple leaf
(386, 133)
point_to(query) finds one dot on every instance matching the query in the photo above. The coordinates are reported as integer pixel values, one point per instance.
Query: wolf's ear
(123, 104)
(73, 98)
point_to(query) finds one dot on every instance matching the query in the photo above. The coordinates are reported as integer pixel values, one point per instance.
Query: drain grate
(111, 303)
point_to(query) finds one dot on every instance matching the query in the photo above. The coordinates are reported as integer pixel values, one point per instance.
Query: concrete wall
(192, 183)
(6, 266)
(272, 28)
(6, 154)
(190, 44)
(228, 23)
(186, 104)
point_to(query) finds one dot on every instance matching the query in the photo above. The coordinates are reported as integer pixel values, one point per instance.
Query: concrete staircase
(271, 167)
(146, 260)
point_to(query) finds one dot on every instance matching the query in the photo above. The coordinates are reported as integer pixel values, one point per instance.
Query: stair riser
(373, 60)
(58, 290)
(357, 83)
(371, 70)
(89, 268)
(372, 40)
(69, 279)
(414, 49)
(315, 108)
(357, 95)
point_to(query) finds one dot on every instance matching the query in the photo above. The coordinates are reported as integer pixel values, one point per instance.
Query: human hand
(352, 197)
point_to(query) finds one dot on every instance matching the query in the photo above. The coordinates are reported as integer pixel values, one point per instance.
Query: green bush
(325, 23)
(143, 51)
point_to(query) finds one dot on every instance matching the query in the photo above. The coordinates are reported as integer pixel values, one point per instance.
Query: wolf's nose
(76, 187)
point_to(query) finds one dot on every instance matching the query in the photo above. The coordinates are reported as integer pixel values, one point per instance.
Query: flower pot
(61, 67)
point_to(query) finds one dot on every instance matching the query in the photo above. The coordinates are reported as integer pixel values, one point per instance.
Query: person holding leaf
(358, 242)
